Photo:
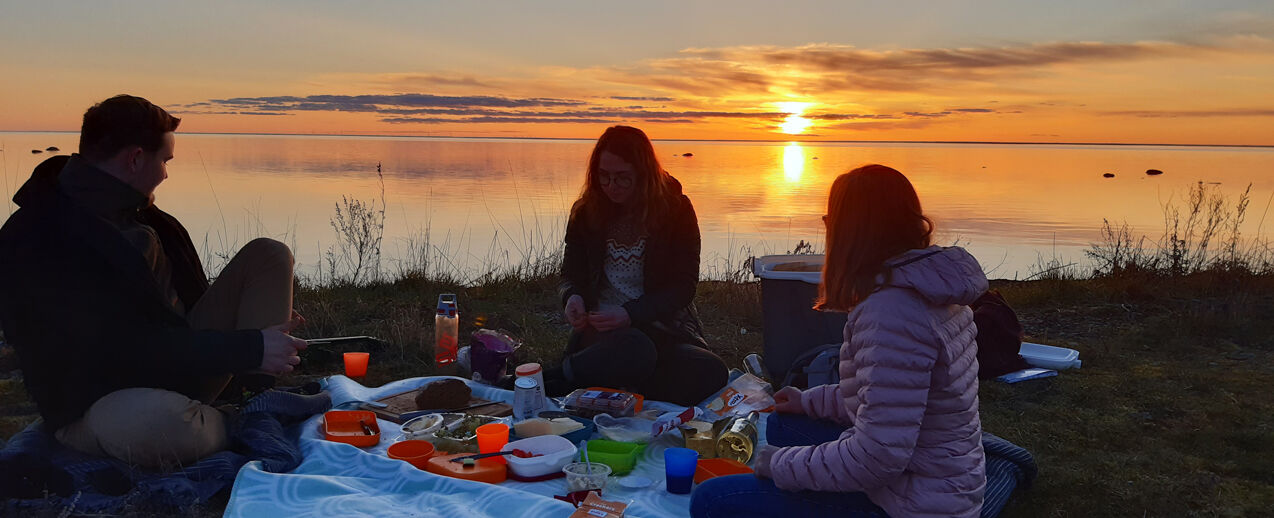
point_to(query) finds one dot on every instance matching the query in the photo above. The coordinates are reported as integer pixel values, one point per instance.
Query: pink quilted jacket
(908, 394)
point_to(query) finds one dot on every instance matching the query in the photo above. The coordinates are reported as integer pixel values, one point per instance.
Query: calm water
(486, 202)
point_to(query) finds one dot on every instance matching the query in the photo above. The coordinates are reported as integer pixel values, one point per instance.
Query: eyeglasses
(622, 180)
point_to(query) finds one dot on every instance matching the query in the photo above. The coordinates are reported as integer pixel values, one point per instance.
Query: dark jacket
(85, 313)
(666, 310)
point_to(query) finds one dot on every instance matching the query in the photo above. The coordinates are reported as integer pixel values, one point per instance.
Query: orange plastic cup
(356, 364)
(415, 452)
(491, 438)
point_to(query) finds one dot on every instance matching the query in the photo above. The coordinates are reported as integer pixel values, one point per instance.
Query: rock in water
(1153, 172)
(1108, 175)
(52, 148)
(687, 154)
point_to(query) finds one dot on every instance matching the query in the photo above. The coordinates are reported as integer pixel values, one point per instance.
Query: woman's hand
(575, 313)
(608, 319)
(788, 401)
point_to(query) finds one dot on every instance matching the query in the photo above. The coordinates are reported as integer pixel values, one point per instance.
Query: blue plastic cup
(679, 466)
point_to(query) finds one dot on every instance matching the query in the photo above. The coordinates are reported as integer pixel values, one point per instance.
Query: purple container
(489, 353)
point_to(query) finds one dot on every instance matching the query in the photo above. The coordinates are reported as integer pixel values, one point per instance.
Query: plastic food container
(555, 453)
(591, 401)
(417, 453)
(357, 427)
(422, 426)
(459, 442)
(624, 429)
(489, 472)
(711, 468)
(1049, 357)
(579, 479)
(620, 456)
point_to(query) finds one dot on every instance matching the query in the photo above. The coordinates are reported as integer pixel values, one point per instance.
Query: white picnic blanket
(341, 480)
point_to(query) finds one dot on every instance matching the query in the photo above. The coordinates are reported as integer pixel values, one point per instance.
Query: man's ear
(134, 156)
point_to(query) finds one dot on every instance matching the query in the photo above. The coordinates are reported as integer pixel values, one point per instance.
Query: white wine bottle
(738, 438)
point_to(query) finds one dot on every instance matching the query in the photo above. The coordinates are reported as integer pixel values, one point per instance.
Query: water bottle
(446, 330)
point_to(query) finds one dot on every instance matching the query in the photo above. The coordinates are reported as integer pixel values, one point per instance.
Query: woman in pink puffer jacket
(900, 434)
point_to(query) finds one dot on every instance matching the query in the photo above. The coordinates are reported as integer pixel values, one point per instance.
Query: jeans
(748, 495)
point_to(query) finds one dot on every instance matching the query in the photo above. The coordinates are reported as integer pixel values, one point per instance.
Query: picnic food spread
(444, 443)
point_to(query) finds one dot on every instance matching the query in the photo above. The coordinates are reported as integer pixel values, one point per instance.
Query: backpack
(999, 336)
(999, 340)
(817, 366)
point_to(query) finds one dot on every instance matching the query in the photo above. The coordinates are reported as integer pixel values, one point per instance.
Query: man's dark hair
(123, 121)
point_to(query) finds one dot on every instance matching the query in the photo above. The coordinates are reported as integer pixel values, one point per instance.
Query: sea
(469, 207)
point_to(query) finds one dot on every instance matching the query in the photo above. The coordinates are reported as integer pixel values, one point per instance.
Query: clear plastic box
(588, 402)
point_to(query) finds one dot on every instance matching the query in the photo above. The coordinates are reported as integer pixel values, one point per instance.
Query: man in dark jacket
(121, 340)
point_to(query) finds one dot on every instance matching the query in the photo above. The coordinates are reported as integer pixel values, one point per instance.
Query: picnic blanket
(39, 475)
(336, 477)
(340, 479)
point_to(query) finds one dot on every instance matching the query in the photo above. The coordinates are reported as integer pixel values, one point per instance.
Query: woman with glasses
(628, 280)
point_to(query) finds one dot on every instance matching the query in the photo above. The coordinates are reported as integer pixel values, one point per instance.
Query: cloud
(653, 99)
(419, 108)
(370, 102)
(825, 68)
(1154, 114)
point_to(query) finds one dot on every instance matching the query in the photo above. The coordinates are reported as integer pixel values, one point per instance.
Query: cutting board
(404, 402)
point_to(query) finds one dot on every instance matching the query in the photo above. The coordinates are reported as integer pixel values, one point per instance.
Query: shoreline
(724, 141)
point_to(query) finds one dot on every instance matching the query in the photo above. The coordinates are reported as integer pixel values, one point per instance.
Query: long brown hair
(873, 214)
(653, 187)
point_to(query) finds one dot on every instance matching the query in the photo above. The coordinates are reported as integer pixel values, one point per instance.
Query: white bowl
(422, 426)
(624, 429)
(555, 453)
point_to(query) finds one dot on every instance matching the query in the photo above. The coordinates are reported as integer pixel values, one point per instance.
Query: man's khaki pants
(162, 429)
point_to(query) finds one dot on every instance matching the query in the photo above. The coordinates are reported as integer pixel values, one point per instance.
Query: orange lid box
(481, 471)
(719, 467)
(351, 427)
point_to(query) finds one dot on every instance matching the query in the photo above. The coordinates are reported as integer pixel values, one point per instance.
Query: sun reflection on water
(793, 162)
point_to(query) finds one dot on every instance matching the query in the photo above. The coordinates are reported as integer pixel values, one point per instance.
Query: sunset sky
(1077, 71)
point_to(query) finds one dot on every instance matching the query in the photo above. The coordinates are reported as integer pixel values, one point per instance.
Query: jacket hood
(942, 275)
(43, 181)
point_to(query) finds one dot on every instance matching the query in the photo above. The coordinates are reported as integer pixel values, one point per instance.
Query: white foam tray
(1049, 357)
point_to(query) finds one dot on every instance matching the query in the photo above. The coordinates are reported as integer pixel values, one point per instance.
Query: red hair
(653, 187)
(873, 214)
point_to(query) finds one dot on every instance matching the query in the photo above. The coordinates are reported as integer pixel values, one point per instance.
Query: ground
(1167, 417)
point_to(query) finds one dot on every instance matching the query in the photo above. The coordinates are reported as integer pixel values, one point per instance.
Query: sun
(794, 124)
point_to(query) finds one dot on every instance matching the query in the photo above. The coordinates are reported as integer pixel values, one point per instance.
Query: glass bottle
(738, 438)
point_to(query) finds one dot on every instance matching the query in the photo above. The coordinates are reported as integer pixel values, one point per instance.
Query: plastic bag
(745, 394)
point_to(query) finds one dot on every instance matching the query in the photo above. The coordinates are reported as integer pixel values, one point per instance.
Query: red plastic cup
(491, 438)
(356, 364)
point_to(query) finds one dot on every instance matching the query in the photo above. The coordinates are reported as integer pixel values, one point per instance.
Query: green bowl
(620, 456)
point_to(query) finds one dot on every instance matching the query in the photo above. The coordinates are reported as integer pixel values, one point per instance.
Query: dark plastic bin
(787, 298)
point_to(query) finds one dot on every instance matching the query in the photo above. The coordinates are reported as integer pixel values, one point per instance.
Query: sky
(1003, 71)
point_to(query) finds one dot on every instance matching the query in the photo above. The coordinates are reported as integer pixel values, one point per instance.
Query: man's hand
(575, 312)
(608, 319)
(788, 401)
(280, 354)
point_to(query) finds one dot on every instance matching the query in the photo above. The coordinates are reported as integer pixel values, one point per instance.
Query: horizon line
(851, 141)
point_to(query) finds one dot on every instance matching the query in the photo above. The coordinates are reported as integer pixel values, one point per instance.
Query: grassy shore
(1167, 417)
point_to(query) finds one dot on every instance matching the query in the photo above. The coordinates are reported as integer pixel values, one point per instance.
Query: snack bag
(745, 394)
